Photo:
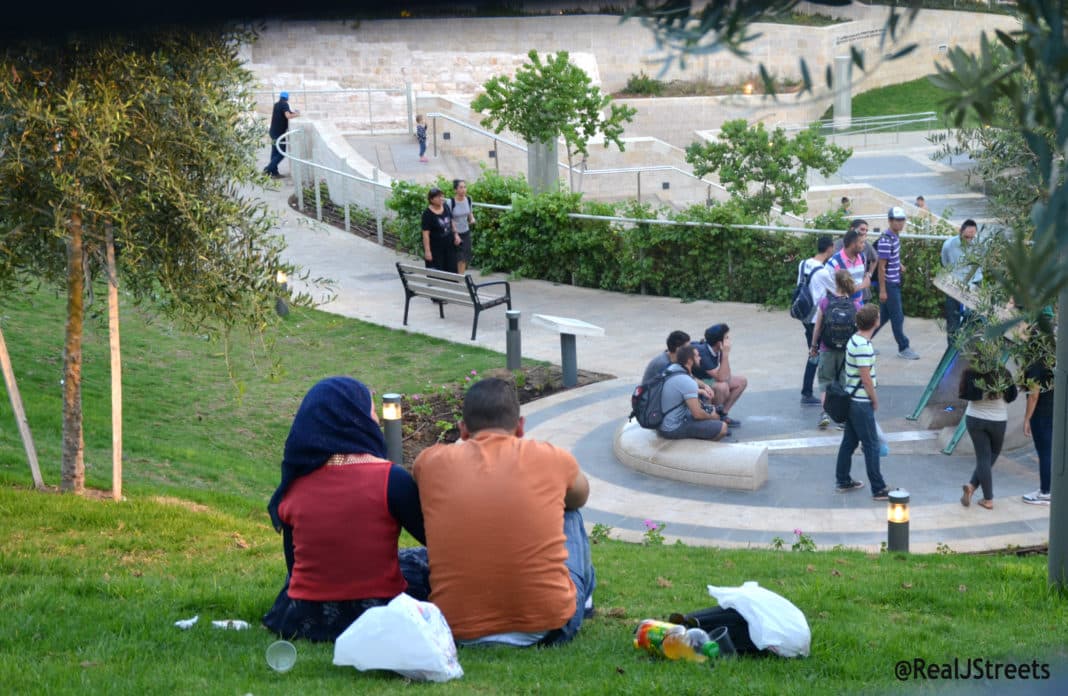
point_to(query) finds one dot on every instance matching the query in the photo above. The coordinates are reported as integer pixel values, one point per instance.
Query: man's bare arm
(579, 492)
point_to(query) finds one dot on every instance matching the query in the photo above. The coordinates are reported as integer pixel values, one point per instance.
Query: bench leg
(474, 325)
(407, 300)
(441, 308)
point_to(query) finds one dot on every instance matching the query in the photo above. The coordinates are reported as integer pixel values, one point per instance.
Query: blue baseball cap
(284, 95)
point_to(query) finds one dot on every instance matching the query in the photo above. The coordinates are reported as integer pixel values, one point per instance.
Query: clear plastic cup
(723, 640)
(281, 655)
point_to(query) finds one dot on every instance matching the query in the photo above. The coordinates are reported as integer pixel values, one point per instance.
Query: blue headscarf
(334, 418)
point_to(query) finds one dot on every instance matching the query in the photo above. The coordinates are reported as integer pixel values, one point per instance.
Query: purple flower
(797, 532)
(474, 372)
(650, 525)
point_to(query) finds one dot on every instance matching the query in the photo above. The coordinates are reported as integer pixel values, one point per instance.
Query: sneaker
(1036, 498)
(825, 420)
(851, 486)
(810, 400)
(909, 354)
(884, 494)
(731, 422)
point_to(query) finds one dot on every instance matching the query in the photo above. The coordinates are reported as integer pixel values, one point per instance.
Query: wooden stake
(20, 413)
(116, 370)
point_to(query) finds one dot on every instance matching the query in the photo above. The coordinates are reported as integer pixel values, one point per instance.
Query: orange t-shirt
(493, 507)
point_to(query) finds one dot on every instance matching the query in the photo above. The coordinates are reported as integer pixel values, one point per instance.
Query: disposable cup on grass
(281, 656)
(723, 640)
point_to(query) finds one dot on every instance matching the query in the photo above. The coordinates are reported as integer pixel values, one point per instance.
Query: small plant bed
(642, 85)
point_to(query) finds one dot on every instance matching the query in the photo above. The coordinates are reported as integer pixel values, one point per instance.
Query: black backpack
(839, 322)
(801, 304)
(645, 401)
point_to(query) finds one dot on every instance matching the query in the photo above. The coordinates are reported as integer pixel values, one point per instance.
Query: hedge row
(535, 238)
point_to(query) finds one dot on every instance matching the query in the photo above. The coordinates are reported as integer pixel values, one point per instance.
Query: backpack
(801, 304)
(645, 402)
(839, 322)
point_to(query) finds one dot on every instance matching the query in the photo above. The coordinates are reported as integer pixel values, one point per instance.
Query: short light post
(391, 415)
(280, 304)
(897, 524)
(514, 340)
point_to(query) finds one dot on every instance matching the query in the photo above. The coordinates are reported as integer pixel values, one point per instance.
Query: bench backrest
(430, 282)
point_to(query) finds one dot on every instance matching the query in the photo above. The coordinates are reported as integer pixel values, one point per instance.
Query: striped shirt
(857, 269)
(859, 353)
(889, 248)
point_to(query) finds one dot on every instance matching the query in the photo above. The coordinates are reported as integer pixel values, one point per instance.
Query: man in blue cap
(279, 126)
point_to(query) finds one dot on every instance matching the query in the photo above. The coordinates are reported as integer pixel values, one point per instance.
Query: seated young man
(676, 340)
(714, 367)
(508, 554)
(684, 415)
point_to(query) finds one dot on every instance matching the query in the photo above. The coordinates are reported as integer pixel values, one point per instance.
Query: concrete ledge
(717, 464)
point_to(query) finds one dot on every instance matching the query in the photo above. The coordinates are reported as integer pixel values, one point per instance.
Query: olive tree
(144, 136)
(762, 169)
(548, 99)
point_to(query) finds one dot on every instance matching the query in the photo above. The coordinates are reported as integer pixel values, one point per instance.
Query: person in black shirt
(1038, 424)
(279, 126)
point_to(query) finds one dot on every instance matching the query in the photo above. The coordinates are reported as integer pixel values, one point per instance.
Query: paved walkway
(768, 349)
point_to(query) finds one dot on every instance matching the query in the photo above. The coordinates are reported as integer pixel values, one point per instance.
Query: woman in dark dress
(440, 241)
(340, 507)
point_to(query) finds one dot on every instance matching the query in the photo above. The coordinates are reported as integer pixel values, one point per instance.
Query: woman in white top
(462, 219)
(987, 394)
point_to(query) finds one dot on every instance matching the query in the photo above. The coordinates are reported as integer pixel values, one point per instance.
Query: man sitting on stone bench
(684, 416)
(675, 340)
(714, 367)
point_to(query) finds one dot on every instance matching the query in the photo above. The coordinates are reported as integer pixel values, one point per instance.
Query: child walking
(420, 134)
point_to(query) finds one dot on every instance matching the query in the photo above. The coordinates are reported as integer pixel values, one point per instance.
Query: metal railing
(324, 98)
(835, 128)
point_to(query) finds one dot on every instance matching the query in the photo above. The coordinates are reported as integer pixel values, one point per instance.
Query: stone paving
(768, 349)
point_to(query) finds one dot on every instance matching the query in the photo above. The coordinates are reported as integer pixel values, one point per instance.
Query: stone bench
(718, 464)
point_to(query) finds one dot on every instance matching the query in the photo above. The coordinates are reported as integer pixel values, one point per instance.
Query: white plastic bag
(775, 624)
(406, 636)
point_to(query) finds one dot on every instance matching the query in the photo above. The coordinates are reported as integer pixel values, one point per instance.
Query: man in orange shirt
(509, 558)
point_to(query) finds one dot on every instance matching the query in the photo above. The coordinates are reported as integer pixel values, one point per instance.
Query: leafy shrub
(644, 85)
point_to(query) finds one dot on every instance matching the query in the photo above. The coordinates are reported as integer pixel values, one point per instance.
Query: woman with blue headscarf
(340, 507)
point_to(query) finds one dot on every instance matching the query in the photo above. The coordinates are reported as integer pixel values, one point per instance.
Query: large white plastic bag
(406, 636)
(775, 623)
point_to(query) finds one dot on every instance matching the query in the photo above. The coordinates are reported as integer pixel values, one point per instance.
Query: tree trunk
(116, 370)
(73, 463)
(542, 171)
(1058, 514)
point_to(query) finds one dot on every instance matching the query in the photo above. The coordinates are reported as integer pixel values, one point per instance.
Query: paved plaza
(768, 349)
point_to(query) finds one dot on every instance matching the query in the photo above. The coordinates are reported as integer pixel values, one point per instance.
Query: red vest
(344, 537)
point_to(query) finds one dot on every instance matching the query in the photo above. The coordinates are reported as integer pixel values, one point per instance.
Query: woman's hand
(428, 256)
(456, 240)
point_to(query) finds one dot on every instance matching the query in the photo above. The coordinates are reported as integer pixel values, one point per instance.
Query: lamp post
(897, 521)
(391, 415)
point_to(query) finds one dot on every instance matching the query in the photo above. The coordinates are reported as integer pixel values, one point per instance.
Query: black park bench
(451, 288)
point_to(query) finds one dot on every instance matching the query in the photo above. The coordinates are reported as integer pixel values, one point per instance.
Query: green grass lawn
(90, 589)
(913, 97)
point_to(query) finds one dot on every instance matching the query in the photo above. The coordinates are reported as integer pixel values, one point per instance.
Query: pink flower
(797, 532)
(416, 397)
(650, 525)
(474, 372)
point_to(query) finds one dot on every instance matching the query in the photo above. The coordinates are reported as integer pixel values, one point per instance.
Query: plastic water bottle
(674, 642)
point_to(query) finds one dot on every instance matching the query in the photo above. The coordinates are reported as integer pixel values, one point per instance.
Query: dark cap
(715, 333)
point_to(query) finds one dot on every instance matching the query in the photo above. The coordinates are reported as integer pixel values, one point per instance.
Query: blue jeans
(422, 148)
(810, 367)
(954, 318)
(860, 429)
(1042, 434)
(277, 155)
(892, 311)
(579, 564)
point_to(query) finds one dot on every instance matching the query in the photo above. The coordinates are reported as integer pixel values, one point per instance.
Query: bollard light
(280, 304)
(513, 341)
(391, 416)
(897, 521)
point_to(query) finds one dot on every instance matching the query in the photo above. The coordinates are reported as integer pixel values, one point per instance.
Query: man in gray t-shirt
(684, 416)
(675, 340)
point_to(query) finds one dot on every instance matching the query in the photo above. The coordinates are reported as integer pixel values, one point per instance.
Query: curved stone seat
(719, 464)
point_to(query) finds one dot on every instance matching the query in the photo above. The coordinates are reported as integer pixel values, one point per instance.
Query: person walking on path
(420, 135)
(824, 247)
(280, 117)
(851, 258)
(1038, 424)
(463, 217)
(891, 271)
(439, 239)
(986, 416)
(965, 272)
(860, 427)
(835, 325)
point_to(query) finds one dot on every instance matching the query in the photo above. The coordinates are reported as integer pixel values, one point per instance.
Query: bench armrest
(479, 286)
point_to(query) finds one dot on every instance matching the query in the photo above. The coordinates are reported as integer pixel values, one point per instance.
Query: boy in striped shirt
(860, 426)
(890, 271)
